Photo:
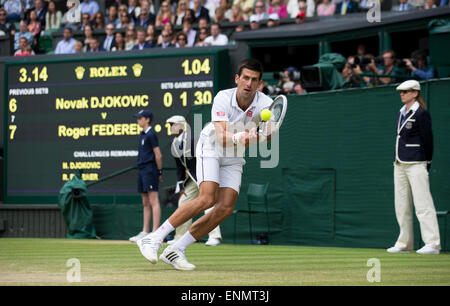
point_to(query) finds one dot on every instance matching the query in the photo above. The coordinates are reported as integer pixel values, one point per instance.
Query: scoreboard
(67, 115)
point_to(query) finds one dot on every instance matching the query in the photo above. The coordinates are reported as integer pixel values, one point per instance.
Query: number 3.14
(36, 75)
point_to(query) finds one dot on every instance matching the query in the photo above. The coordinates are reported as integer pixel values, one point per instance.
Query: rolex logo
(79, 72)
(137, 69)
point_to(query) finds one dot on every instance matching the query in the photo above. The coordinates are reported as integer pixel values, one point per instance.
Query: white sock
(184, 241)
(165, 229)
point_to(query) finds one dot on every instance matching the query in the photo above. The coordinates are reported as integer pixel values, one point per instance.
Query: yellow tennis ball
(265, 114)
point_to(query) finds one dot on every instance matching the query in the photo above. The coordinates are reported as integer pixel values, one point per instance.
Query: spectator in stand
(279, 8)
(203, 22)
(216, 38)
(260, 11)
(125, 20)
(145, 17)
(52, 17)
(13, 10)
(326, 8)
(66, 45)
(274, 20)
(181, 40)
(132, 7)
(24, 48)
(166, 40)
(78, 46)
(41, 11)
(150, 5)
(94, 46)
(299, 89)
(211, 5)
(141, 43)
(89, 6)
(346, 6)
(246, 6)
(237, 14)
(112, 15)
(165, 15)
(429, 4)
(130, 37)
(200, 10)
(170, 29)
(302, 12)
(296, 6)
(219, 15)
(418, 65)
(151, 36)
(189, 14)
(88, 36)
(443, 2)
(99, 21)
(120, 42)
(402, 6)
(226, 6)
(85, 20)
(254, 22)
(189, 31)
(202, 35)
(301, 17)
(110, 40)
(5, 26)
(23, 32)
(123, 8)
(181, 11)
(34, 27)
(388, 68)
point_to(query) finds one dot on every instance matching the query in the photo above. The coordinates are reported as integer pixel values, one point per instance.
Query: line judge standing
(413, 153)
(183, 149)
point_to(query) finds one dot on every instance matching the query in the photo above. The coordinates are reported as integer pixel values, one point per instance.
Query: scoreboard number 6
(13, 105)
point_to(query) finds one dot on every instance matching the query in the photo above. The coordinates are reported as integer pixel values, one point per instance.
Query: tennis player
(218, 172)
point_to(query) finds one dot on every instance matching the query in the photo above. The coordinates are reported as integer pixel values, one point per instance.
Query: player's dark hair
(250, 64)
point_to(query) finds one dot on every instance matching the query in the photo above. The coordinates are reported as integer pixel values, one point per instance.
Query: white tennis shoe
(149, 247)
(176, 258)
(428, 250)
(396, 250)
(212, 242)
(138, 236)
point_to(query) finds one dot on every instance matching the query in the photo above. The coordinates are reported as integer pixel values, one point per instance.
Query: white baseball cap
(409, 85)
(254, 18)
(274, 16)
(176, 119)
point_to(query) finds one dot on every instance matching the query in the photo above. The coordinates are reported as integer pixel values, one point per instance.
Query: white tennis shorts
(226, 171)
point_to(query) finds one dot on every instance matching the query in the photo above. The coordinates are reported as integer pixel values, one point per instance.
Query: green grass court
(106, 262)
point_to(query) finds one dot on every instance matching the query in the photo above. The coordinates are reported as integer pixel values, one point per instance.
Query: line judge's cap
(409, 85)
(144, 113)
(176, 119)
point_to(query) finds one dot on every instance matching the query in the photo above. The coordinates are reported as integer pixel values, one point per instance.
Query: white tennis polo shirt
(225, 108)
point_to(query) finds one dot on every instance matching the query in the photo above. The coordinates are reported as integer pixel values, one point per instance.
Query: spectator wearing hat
(149, 162)
(183, 150)
(254, 22)
(413, 154)
(274, 20)
(300, 18)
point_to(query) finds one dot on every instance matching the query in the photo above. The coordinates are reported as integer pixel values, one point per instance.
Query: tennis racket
(278, 110)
